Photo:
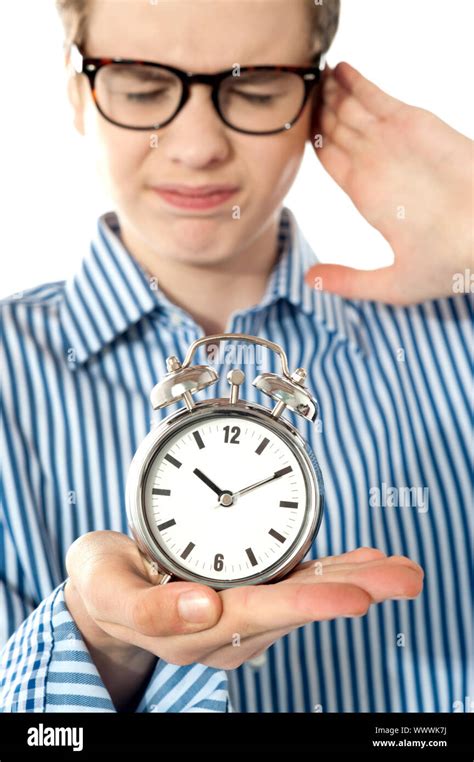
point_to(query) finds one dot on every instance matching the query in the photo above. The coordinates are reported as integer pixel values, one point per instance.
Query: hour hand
(207, 481)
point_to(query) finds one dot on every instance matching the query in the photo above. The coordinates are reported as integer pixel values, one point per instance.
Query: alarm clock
(225, 492)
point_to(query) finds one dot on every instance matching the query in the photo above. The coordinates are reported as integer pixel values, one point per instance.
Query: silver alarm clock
(225, 492)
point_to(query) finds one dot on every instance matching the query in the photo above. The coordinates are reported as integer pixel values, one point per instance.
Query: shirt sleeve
(46, 667)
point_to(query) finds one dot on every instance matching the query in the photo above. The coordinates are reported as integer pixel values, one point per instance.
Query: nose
(196, 136)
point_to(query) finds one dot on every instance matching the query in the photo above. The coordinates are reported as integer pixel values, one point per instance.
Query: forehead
(201, 34)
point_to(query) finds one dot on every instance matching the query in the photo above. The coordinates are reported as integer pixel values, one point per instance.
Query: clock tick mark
(173, 461)
(251, 556)
(189, 547)
(283, 471)
(276, 535)
(262, 446)
(198, 439)
(166, 525)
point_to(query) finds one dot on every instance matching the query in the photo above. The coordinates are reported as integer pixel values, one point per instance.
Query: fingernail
(194, 607)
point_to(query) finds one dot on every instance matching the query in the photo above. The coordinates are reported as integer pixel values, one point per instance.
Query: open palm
(254, 617)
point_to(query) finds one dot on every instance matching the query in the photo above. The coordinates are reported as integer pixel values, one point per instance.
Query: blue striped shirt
(395, 445)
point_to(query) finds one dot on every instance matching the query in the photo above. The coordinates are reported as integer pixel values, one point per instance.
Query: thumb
(176, 608)
(351, 283)
(107, 570)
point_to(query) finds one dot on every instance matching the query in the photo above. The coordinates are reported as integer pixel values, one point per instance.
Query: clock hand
(276, 475)
(243, 491)
(207, 481)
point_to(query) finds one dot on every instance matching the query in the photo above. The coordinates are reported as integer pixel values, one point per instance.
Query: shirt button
(175, 318)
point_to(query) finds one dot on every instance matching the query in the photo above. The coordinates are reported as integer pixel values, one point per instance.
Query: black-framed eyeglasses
(142, 95)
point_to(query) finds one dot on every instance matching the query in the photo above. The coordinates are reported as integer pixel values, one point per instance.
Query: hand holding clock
(127, 621)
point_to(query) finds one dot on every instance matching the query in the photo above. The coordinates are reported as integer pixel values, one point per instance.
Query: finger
(332, 571)
(320, 572)
(342, 568)
(339, 133)
(346, 107)
(107, 570)
(264, 608)
(356, 556)
(389, 578)
(351, 283)
(335, 161)
(375, 560)
(375, 100)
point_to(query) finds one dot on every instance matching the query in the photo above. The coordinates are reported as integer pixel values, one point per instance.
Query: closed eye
(255, 98)
(145, 96)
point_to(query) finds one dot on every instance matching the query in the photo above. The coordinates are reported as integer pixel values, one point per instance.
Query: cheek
(273, 162)
(120, 155)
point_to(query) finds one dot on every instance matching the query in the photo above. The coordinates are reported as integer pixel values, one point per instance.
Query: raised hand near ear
(410, 175)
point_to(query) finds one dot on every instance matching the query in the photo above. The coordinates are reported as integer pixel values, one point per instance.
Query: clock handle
(238, 337)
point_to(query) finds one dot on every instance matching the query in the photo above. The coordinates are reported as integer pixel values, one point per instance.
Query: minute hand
(276, 475)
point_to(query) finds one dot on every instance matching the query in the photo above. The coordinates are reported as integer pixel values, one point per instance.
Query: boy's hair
(324, 18)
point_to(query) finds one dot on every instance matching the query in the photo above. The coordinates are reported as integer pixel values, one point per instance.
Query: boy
(199, 243)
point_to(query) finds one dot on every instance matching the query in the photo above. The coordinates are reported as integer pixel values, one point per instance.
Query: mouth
(195, 197)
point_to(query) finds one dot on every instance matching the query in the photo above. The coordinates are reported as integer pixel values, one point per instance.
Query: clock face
(205, 504)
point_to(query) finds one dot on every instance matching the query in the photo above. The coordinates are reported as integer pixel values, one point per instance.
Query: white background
(417, 50)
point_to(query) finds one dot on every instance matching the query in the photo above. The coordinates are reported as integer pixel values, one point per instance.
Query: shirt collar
(111, 292)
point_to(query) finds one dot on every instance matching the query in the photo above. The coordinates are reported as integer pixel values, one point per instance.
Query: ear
(316, 105)
(315, 109)
(76, 98)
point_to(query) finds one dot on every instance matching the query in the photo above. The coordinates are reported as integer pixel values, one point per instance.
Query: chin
(195, 237)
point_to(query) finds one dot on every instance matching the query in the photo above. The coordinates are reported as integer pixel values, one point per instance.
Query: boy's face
(196, 148)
